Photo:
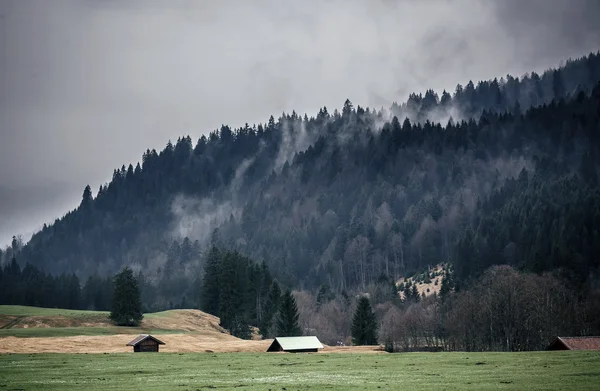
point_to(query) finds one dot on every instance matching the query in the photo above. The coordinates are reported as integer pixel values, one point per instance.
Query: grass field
(248, 371)
(21, 310)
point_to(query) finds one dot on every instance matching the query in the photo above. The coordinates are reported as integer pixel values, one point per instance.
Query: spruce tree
(87, 198)
(210, 292)
(364, 325)
(271, 308)
(415, 293)
(233, 310)
(287, 319)
(445, 288)
(126, 307)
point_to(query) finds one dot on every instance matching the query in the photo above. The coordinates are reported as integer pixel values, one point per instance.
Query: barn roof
(143, 337)
(580, 343)
(298, 343)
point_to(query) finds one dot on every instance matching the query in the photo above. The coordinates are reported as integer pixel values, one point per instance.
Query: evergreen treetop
(126, 309)
(364, 324)
(287, 319)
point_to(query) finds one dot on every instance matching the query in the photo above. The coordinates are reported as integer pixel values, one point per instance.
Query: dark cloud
(548, 30)
(86, 86)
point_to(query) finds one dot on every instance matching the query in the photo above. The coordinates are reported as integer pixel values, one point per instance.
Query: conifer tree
(126, 307)
(287, 320)
(271, 308)
(86, 199)
(445, 288)
(364, 325)
(233, 309)
(415, 293)
(210, 292)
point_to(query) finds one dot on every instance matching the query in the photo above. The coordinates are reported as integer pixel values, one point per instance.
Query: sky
(89, 85)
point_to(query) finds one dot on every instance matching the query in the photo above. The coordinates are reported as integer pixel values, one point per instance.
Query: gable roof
(298, 343)
(143, 337)
(579, 343)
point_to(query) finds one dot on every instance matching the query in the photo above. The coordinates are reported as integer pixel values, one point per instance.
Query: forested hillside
(502, 171)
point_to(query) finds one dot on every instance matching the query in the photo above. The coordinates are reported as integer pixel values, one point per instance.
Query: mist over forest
(496, 180)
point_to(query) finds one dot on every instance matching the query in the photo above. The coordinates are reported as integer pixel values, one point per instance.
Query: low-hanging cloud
(197, 218)
(86, 86)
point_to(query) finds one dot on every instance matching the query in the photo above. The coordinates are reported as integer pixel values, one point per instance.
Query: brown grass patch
(61, 321)
(174, 343)
(7, 320)
(117, 344)
(203, 335)
(186, 320)
(353, 349)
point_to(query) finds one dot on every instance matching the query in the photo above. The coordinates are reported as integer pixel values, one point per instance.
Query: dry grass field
(41, 330)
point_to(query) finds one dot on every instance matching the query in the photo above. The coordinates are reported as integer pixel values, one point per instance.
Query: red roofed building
(575, 343)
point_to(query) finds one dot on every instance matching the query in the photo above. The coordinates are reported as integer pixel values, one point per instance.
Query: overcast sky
(88, 85)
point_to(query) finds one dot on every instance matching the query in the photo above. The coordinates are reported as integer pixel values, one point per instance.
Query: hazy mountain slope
(344, 197)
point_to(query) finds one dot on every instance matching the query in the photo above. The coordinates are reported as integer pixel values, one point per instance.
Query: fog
(86, 86)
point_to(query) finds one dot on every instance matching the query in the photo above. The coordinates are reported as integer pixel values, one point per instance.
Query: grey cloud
(86, 86)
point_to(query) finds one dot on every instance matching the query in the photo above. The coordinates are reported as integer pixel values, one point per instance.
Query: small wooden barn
(295, 344)
(145, 343)
(575, 343)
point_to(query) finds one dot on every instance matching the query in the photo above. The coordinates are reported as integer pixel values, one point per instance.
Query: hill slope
(70, 331)
(344, 197)
(26, 321)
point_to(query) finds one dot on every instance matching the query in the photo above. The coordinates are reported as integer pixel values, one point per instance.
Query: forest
(498, 178)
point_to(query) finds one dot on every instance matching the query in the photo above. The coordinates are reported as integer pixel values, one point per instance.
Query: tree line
(504, 310)
(33, 287)
(243, 293)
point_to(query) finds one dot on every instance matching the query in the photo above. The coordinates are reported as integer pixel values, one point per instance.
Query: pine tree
(445, 288)
(86, 198)
(233, 309)
(228, 294)
(209, 299)
(271, 308)
(126, 307)
(287, 319)
(364, 325)
(415, 293)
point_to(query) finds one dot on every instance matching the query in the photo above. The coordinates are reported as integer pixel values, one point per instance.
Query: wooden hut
(145, 343)
(575, 343)
(295, 344)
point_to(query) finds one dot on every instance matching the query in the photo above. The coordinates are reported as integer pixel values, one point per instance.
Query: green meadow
(20, 314)
(48, 332)
(273, 371)
(22, 310)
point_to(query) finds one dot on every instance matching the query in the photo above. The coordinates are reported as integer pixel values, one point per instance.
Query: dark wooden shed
(295, 344)
(575, 343)
(145, 343)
